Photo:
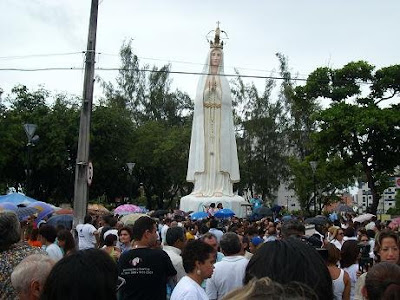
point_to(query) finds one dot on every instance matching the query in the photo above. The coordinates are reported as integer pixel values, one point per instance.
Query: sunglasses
(120, 282)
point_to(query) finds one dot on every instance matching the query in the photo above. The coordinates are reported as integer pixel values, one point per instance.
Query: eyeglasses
(120, 282)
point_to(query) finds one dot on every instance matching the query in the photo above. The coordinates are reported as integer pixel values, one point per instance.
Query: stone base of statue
(235, 203)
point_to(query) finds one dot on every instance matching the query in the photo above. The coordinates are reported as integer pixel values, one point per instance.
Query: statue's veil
(229, 160)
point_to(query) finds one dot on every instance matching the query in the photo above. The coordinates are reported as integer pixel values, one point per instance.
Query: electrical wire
(166, 71)
(140, 57)
(38, 55)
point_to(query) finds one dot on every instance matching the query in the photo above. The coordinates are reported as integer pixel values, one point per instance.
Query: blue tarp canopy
(17, 199)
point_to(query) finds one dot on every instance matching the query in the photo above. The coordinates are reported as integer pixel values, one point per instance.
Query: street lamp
(130, 166)
(314, 165)
(32, 140)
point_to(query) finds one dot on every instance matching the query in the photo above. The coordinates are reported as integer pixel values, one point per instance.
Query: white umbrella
(363, 218)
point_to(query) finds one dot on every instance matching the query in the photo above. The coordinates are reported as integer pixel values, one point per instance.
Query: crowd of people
(174, 257)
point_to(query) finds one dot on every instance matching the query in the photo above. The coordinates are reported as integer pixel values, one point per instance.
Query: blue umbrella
(287, 218)
(199, 215)
(16, 198)
(65, 220)
(24, 212)
(8, 206)
(224, 213)
(44, 209)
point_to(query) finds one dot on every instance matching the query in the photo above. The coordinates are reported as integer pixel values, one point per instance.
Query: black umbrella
(65, 220)
(264, 212)
(159, 213)
(320, 220)
(344, 208)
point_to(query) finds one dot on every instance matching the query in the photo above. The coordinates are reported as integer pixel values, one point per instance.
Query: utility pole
(82, 158)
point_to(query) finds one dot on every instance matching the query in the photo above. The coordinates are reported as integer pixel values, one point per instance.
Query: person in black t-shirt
(145, 270)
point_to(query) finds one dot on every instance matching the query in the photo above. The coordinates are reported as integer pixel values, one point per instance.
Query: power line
(165, 71)
(190, 63)
(38, 55)
(140, 57)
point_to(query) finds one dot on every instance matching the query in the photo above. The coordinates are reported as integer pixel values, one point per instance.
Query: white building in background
(364, 197)
(287, 198)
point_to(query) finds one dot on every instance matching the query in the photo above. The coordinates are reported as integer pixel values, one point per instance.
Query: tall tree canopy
(354, 127)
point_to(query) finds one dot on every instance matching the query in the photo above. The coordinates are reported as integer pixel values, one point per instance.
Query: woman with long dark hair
(349, 262)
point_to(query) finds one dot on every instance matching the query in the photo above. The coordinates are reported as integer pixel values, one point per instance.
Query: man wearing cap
(255, 243)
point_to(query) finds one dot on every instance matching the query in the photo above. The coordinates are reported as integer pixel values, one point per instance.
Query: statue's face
(216, 56)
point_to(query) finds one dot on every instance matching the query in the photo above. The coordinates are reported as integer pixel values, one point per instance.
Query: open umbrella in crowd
(127, 209)
(8, 206)
(363, 218)
(344, 208)
(224, 213)
(43, 209)
(24, 213)
(65, 220)
(132, 218)
(17, 199)
(199, 215)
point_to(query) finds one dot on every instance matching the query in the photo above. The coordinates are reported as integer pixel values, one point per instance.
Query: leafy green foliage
(361, 133)
(261, 145)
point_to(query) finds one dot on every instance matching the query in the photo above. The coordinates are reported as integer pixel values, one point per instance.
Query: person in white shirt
(47, 235)
(214, 230)
(229, 272)
(198, 260)
(167, 224)
(349, 262)
(87, 234)
(337, 238)
(176, 241)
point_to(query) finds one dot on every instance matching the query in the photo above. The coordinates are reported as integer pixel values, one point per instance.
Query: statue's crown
(217, 42)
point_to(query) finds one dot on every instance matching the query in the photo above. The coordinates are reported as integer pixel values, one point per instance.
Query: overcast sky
(312, 33)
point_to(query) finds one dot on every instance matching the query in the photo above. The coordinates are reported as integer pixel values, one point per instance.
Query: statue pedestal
(235, 203)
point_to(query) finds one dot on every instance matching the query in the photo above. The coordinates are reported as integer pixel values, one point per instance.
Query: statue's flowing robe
(213, 164)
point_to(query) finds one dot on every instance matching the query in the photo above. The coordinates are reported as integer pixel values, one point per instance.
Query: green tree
(111, 146)
(53, 156)
(354, 127)
(146, 91)
(302, 104)
(261, 143)
(161, 153)
(161, 122)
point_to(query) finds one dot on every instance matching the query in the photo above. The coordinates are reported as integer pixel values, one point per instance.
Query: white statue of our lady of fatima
(213, 163)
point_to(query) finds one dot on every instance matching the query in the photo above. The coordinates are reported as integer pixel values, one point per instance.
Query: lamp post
(314, 165)
(32, 140)
(130, 166)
